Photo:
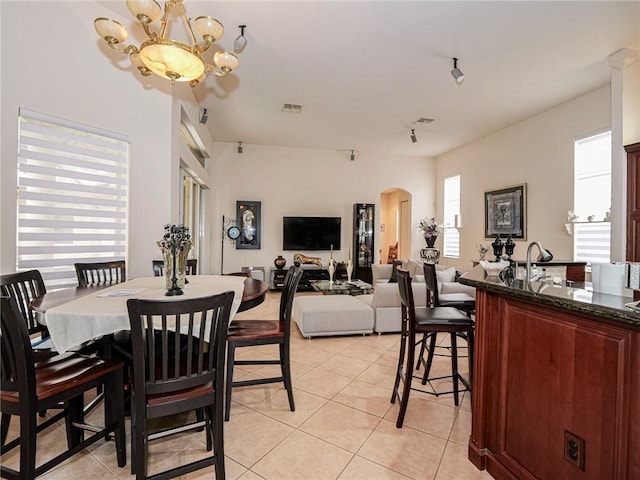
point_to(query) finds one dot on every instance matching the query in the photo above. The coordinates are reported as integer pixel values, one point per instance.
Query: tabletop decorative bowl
(493, 269)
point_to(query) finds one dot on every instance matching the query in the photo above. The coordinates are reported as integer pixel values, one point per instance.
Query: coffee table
(354, 287)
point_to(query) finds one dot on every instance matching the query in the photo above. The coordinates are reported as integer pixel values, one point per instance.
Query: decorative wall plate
(233, 233)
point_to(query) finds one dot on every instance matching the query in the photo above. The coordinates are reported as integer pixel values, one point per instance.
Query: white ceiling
(365, 71)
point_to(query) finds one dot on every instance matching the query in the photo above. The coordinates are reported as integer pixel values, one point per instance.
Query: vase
(331, 269)
(431, 241)
(430, 255)
(349, 270)
(179, 259)
(280, 262)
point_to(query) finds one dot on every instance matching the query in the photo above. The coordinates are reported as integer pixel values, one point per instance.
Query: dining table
(74, 316)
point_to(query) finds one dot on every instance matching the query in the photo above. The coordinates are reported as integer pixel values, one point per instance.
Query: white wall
(291, 181)
(537, 151)
(64, 69)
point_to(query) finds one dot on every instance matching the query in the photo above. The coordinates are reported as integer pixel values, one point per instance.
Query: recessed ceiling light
(292, 108)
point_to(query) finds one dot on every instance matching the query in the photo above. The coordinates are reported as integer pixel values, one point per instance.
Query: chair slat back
(406, 301)
(179, 344)
(17, 372)
(291, 281)
(23, 287)
(431, 280)
(158, 267)
(101, 273)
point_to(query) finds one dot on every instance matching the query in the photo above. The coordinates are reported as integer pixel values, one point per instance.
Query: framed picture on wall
(248, 219)
(505, 212)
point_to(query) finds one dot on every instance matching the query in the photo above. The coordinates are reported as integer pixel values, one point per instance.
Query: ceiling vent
(423, 121)
(292, 108)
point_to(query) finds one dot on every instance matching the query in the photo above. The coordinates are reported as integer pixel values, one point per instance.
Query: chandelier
(167, 58)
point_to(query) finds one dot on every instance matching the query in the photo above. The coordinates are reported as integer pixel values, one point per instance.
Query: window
(592, 198)
(72, 196)
(451, 215)
(191, 210)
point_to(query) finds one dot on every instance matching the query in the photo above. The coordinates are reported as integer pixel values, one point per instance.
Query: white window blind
(592, 242)
(451, 216)
(592, 198)
(72, 196)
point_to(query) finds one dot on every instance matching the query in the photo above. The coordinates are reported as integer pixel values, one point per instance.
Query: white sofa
(385, 299)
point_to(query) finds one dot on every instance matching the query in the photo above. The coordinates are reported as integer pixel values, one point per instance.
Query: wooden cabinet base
(556, 393)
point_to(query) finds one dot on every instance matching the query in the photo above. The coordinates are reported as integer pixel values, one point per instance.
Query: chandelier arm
(150, 33)
(165, 18)
(218, 72)
(128, 49)
(187, 23)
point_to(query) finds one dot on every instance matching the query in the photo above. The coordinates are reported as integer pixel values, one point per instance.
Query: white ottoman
(323, 315)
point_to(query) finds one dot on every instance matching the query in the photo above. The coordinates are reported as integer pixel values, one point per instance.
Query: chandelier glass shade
(171, 59)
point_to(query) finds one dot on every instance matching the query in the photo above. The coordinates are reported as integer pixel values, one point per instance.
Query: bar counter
(556, 382)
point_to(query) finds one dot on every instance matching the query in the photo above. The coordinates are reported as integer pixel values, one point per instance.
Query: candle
(332, 251)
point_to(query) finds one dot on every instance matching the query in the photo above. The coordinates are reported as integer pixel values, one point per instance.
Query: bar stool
(426, 321)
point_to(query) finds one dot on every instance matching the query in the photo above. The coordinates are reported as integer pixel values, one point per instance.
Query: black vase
(280, 262)
(431, 241)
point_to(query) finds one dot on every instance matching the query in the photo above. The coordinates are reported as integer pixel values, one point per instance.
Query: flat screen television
(310, 233)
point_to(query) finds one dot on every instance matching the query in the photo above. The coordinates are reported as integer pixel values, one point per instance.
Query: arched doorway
(395, 223)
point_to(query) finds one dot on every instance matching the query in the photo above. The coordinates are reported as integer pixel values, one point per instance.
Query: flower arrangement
(429, 228)
(175, 238)
(482, 250)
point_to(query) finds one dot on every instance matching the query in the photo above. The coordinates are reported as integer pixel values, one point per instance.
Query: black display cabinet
(363, 230)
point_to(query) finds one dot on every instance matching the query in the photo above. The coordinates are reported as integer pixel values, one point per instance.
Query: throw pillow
(446, 275)
(396, 264)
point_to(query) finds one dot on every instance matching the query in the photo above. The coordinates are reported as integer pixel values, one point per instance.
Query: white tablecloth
(105, 312)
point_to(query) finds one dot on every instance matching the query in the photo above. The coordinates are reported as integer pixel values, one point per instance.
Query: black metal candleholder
(509, 246)
(497, 248)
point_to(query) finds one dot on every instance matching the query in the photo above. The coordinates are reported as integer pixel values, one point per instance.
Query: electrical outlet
(574, 450)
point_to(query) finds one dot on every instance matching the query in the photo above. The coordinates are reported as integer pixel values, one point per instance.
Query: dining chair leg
(408, 376)
(114, 413)
(218, 441)
(399, 368)
(285, 366)
(75, 408)
(422, 347)
(471, 349)
(28, 433)
(231, 352)
(4, 427)
(208, 419)
(432, 338)
(454, 368)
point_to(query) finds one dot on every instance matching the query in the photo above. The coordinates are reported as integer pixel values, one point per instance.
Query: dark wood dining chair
(158, 267)
(421, 321)
(23, 287)
(28, 387)
(249, 333)
(461, 301)
(101, 273)
(176, 373)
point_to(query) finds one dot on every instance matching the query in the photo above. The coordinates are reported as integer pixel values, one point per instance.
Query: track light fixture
(457, 73)
(352, 157)
(240, 43)
(240, 148)
(414, 139)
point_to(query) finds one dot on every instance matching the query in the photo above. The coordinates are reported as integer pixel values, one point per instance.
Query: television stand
(310, 273)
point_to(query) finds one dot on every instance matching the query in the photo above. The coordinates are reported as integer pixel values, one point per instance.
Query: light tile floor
(343, 427)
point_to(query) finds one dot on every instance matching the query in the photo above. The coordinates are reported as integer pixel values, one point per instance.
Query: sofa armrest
(455, 287)
(381, 272)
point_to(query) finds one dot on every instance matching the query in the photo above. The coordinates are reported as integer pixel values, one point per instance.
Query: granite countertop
(581, 300)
